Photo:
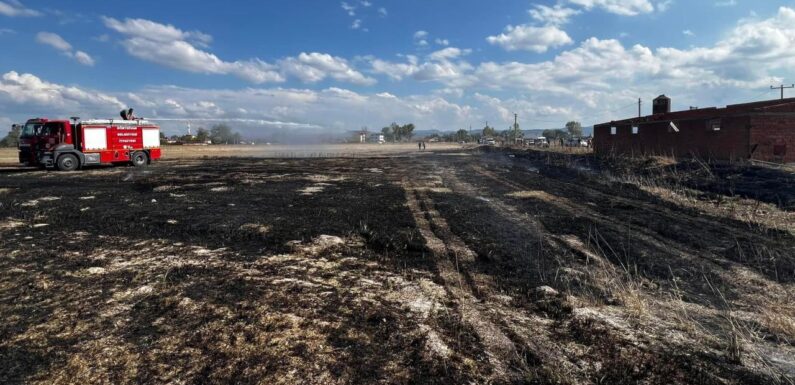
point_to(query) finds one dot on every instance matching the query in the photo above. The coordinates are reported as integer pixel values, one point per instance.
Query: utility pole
(640, 103)
(782, 87)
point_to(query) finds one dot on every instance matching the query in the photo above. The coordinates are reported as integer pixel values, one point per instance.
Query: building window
(714, 125)
(635, 130)
(613, 130)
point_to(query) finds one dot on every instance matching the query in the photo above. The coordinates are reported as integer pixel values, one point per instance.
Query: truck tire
(67, 162)
(139, 159)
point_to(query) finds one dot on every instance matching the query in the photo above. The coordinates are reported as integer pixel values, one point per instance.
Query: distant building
(761, 131)
(377, 138)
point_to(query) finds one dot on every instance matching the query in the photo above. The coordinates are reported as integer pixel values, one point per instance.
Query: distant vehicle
(488, 141)
(576, 142)
(68, 145)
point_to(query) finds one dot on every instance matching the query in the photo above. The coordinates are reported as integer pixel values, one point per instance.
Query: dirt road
(439, 267)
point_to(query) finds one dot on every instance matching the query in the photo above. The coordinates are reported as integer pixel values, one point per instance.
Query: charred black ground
(458, 267)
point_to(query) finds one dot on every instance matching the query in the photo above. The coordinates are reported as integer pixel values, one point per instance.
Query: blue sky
(281, 67)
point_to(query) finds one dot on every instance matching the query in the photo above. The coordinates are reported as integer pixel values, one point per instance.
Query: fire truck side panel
(151, 137)
(95, 138)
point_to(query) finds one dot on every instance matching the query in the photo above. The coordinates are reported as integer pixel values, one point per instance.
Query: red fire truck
(68, 145)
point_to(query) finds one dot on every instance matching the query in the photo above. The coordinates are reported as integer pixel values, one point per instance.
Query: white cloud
(557, 15)
(14, 8)
(441, 66)
(314, 67)
(37, 97)
(57, 42)
(383, 12)
(600, 75)
(421, 38)
(150, 30)
(619, 7)
(530, 111)
(530, 38)
(53, 40)
(448, 54)
(688, 32)
(83, 58)
(664, 5)
(349, 9)
(169, 46)
(442, 42)
(282, 114)
(726, 3)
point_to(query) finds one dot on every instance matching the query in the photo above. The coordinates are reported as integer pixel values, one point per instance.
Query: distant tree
(162, 136)
(222, 134)
(396, 133)
(399, 133)
(408, 131)
(12, 139)
(489, 131)
(574, 129)
(388, 135)
(557, 134)
(462, 136)
(202, 135)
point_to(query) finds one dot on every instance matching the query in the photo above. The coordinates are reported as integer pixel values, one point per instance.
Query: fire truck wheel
(139, 159)
(68, 162)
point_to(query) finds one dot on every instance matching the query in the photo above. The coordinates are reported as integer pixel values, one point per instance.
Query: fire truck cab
(68, 145)
(27, 140)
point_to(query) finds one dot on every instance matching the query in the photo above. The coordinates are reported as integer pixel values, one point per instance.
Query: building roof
(787, 105)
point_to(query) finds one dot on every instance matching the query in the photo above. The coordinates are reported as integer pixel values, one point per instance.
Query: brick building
(761, 131)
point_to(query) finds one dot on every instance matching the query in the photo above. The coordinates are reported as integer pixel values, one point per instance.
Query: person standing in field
(419, 146)
(423, 145)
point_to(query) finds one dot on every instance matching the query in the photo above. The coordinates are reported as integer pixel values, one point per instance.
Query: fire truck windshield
(30, 130)
(51, 128)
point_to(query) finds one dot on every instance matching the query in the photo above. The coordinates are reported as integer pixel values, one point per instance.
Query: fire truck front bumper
(46, 159)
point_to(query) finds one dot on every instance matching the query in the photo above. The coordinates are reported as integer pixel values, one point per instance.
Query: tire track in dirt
(447, 248)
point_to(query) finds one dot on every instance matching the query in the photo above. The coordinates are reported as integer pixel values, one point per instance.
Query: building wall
(773, 138)
(695, 137)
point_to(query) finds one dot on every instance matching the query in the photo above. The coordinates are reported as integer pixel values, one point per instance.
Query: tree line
(398, 133)
(573, 130)
(217, 134)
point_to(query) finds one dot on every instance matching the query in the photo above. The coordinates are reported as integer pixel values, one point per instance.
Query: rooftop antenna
(782, 87)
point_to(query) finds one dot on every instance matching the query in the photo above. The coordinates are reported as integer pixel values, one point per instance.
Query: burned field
(467, 267)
